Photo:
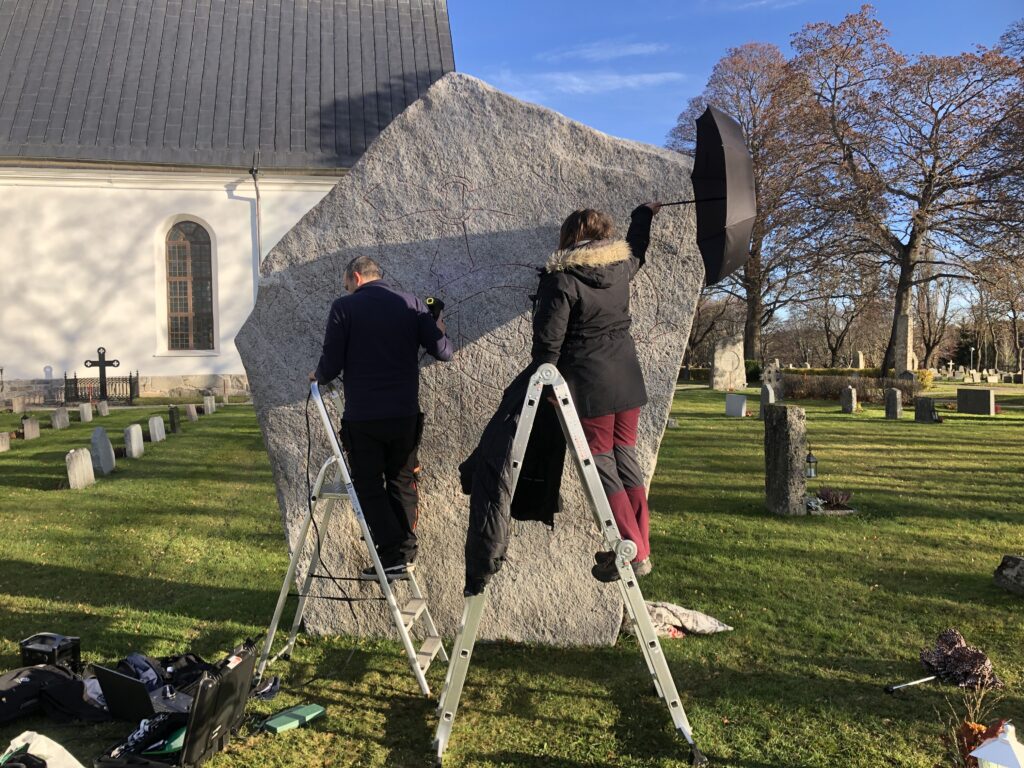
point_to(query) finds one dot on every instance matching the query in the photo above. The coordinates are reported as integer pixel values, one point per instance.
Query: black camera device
(54, 649)
(434, 306)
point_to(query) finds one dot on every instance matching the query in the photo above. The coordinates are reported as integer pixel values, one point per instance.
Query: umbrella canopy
(723, 188)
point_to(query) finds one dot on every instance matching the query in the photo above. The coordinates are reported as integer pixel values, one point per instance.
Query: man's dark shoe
(606, 571)
(393, 572)
(606, 556)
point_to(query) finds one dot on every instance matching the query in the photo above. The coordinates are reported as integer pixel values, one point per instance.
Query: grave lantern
(1004, 751)
(811, 467)
(972, 358)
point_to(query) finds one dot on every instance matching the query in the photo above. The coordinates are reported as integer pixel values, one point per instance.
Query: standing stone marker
(848, 399)
(190, 412)
(79, 464)
(728, 370)
(5, 441)
(772, 376)
(981, 402)
(133, 443)
(102, 452)
(103, 408)
(462, 197)
(209, 405)
(893, 403)
(156, 429)
(59, 419)
(173, 419)
(18, 404)
(924, 410)
(85, 412)
(785, 456)
(1010, 574)
(736, 405)
(859, 361)
(767, 398)
(30, 429)
(904, 361)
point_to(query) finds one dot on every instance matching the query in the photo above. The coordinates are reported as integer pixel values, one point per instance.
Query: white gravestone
(103, 408)
(157, 434)
(859, 361)
(30, 429)
(133, 443)
(102, 452)
(209, 404)
(767, 398)
(5, 441)
(191, 413)
(736, 405)
(728, 370)
(85, 412)
(18, 404)
(79, 464)
(59, 419)
(462, 197)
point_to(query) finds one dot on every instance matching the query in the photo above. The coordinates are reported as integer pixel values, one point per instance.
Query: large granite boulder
(461, 197)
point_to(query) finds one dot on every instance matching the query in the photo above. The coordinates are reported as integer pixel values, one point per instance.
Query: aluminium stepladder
(625, 551)
(331, 491)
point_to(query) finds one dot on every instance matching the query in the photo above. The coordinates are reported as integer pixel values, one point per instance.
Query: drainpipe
(255, 172)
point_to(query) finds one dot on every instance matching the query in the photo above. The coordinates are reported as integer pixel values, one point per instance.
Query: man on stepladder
(373, 339)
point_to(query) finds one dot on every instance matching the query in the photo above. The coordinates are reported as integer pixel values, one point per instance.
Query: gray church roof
(205, 82)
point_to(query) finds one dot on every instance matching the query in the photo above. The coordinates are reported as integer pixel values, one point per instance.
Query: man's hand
(655, 207)
(441, 325)
(312, 375)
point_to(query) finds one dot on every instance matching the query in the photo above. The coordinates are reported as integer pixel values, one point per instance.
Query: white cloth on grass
(47, 749)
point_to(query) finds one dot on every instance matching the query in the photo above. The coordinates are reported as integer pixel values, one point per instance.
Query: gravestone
(893, 403)
(209, 405)
(848, 399)
(977, 401)
(772, 376)
(904, 350)
(767, 398)
(728, 370)
(190, 412)
(173, 419)
(30, 429)
(1010, 574)
(924, 410)
(785, 456)
(133, 443)
(5, 441)
(858, 361)
(59, 418)
(102, 452)
(79, 465)
(85, 412)
(462, 197)
(103, 408)
(735, 405)
(18, 404)
(156, 429)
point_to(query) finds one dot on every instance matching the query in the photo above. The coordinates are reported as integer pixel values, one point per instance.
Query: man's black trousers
(382, 459)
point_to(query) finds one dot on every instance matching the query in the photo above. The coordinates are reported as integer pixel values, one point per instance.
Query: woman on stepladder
(581, 324)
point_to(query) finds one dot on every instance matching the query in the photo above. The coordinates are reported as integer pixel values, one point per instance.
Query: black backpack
(21, 689)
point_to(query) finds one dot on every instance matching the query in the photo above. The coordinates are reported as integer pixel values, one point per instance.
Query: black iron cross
(102, 364)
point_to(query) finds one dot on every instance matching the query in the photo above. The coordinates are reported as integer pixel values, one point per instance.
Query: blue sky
(628, 68)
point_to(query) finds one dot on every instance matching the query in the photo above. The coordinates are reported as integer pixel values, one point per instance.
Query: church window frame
(189, 279)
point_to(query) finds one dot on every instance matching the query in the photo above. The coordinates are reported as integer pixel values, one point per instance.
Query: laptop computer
(128, 699)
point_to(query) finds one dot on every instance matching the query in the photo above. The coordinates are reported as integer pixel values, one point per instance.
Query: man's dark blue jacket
(373, 340)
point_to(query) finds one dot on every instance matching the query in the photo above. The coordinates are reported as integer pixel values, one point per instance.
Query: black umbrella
(723, 187)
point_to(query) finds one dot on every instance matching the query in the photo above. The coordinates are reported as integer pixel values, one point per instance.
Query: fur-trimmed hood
(596, 253)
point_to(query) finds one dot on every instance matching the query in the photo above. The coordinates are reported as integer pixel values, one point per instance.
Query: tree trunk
(755, 307)
(904, 292)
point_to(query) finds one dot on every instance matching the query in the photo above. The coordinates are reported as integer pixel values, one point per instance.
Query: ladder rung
(426, 654)
(412, 611)
(333, 491)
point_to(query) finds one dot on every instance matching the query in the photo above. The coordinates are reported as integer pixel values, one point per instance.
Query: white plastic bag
(47, 749)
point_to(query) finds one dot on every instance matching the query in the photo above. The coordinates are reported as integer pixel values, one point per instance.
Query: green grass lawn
(182, 549)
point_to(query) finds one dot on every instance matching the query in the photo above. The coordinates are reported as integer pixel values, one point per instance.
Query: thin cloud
(540, 85)
(604, 50)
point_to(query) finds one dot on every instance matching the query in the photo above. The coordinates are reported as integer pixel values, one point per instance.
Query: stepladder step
(333, 490)
(412, 611)
(431, 647)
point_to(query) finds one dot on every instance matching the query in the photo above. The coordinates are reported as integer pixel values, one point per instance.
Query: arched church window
(189, 287)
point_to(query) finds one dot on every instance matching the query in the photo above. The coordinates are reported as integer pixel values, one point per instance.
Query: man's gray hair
(364, 265)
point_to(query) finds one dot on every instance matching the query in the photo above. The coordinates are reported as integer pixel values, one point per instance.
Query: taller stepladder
(625, 551)
(329, 492)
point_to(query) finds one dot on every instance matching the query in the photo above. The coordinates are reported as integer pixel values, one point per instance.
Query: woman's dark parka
(581, 324)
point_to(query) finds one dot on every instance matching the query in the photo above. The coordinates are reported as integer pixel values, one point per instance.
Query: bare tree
(755, 85)
(935, 316)
(916, 149)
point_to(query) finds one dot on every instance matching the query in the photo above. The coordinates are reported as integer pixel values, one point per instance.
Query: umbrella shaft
(686, 202)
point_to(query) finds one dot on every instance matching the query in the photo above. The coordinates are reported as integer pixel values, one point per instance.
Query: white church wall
(83, 263)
